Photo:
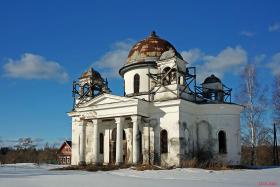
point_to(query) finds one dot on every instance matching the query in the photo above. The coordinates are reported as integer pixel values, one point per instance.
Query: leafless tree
(25, 143)
(253, 96)
(276, 101)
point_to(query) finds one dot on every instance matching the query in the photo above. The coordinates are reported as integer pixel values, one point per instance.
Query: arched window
(173, 74)
(136, 83)
(163, 141)
(167, 77)
(85, 89)
(101, 142)
(222, 142)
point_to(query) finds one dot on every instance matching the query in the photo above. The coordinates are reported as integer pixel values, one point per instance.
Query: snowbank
(32, 175)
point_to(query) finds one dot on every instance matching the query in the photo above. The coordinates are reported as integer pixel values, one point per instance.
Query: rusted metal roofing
(151, 48)
(90, 73)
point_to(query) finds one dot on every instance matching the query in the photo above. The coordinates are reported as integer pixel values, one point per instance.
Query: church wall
(105, 127)
(212, 118)
(231, 125)
(129, 137)
(190, 126)
(75, 142)
(148, 144)
(188, 134)
(167, 116)
(89, 142)
(144, 79)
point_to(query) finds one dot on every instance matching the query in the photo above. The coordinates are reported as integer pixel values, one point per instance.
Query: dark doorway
(113, 146)
(124, 148)
(140, 148)
(163, 141)
(222, 142)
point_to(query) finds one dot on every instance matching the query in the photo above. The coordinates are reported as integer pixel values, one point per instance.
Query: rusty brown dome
(149, 49)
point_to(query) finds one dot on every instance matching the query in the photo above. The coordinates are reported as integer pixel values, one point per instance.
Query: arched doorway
(222, 142)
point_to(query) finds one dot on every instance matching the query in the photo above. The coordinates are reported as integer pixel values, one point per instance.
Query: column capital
(119, 120)
(96, 121)
(135, 119)
(82, 122)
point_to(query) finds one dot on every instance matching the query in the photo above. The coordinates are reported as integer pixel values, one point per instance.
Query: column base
(119, 163)
(82, 163)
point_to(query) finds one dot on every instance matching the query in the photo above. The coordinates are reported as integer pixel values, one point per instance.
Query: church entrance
(113, 143)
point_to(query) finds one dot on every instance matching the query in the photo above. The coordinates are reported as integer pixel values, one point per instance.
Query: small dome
(149, 49)
(212, 79)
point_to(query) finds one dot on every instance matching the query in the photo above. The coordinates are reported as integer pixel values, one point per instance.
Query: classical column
(136, 120)
(119, 144)
(107, 146)
(82, 138)
(95, 142)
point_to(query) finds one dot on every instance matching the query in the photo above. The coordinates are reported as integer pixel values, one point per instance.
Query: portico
(114, 140)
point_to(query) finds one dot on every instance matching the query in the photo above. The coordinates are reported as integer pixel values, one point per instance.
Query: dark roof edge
(128, 67)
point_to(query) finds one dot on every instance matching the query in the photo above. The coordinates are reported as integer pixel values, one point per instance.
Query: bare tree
(276, 114)
(276, 100)
(25, 143)
(253, 96)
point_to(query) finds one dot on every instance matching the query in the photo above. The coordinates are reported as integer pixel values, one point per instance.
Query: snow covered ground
(30, 175)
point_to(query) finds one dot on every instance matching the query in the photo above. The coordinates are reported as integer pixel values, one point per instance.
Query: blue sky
(44, 45)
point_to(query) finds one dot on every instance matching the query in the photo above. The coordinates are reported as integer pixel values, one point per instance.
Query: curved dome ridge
(149, 49)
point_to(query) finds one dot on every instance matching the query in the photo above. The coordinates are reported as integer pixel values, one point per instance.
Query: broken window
(166, 73)
(173, 75)
(101, 142)
(163, 141)
(136, 83)
(222, 142)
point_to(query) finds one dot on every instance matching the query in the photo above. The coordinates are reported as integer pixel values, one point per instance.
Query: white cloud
(274, 27)
(114, 59)
(275, 64)
(258, 59)
(228, 60)
(247, 33)
(31, 66)
(192, 56)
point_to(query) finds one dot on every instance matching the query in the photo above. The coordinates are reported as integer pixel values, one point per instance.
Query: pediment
(107, 99)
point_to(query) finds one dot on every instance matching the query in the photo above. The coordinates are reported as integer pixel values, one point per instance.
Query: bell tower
(89, 86)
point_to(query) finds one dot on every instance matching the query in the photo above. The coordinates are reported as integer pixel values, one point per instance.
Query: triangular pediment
(107, 99)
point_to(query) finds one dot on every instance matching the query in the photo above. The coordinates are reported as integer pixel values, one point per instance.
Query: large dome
(149, 49)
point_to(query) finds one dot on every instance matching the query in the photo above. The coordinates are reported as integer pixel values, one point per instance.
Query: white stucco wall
(182, 120)
(224, 117)
(167, 115)
(75, 142)
(144, 79)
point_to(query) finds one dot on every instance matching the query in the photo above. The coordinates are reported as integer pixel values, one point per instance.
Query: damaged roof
(149, 49)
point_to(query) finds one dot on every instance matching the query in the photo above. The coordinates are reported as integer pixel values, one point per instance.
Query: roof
(66, 142)
(149, 49)
(69, 143)
(90, 73)
(212, 79)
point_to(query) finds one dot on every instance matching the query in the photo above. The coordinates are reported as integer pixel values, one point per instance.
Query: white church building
(165, 117)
